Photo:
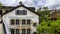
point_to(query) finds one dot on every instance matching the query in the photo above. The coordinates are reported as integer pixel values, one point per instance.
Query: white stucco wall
(30, 15)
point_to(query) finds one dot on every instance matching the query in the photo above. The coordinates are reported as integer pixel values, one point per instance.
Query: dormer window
(21, 12)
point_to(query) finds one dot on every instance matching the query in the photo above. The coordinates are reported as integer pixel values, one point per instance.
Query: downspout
(3, 24)
(4, 28)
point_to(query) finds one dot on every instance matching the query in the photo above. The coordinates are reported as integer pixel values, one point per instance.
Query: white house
(19, 20)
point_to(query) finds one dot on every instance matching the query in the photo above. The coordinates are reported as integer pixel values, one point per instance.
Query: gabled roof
(21, 5)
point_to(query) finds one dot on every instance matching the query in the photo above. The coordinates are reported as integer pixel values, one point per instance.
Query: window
(28, 21)
(12, 31)
(21, 12)
(17, 31)
(24, 12)
(17, 12)
(12, 21)
(28, 31)
(23, 21)
(34, 32)
(23, 31)
(17, 21)
(34, 24)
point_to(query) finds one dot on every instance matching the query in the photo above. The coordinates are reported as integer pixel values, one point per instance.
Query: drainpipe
(3, 23)
(4, 28)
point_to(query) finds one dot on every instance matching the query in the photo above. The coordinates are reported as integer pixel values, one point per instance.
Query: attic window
(21, 12)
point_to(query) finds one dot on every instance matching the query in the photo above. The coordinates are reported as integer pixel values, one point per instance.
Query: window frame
(23, 31)
(28, 21)
(17, 31)
(34, 32)
(21, 12)
(12, 23)
(34, 24)
(23, 21)
(12, 31)
(17, 22)
(29, 31)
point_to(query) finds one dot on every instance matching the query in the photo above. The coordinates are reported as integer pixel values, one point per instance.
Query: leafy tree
(48, 26)
(43, 13)
(0, 4)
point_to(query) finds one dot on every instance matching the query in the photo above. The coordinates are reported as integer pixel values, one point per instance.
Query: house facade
(18, 20)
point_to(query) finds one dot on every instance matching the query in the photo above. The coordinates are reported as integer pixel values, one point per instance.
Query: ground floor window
(23, 31)
(15, 31)
(12, 31)
(34, 32)
(28, 31)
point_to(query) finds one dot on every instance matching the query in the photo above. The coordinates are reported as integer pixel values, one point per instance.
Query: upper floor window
(28, 21)
(21, 12)
(12, 21)
(15, 21)
(23, 21)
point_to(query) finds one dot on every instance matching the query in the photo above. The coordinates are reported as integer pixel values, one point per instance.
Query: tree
(43, 14)
(0, 4)
(48, 26)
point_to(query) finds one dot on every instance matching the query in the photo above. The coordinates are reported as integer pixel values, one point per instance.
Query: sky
(33, 3)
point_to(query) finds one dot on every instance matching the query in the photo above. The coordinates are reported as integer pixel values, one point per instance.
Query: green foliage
(48, 26)
(0, 4)
(44, 13)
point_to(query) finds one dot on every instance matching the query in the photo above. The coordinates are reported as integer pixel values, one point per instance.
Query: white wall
(30, 15)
